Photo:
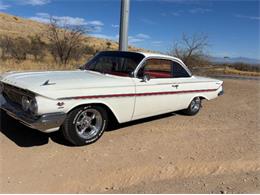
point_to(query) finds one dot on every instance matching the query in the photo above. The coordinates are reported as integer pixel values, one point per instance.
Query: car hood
(43, 82)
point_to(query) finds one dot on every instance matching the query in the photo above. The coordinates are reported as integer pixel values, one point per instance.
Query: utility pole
(123, 37)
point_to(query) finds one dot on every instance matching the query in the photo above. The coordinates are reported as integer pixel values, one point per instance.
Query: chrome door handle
(176, 86)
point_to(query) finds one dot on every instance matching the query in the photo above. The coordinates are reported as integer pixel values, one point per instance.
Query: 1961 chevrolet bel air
(123, 85)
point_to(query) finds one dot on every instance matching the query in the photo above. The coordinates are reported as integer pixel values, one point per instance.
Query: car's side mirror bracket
(146, 78)
(131, 74)
(81, 67)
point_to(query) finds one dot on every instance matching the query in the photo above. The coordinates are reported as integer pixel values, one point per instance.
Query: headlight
(33, 106)
(25, 103)
(29, 104)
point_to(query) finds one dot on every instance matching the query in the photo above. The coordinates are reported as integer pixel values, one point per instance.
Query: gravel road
(216, 151)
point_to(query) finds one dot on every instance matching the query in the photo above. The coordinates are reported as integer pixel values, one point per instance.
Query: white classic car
(124, 85)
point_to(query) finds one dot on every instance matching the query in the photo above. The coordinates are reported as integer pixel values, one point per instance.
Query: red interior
(156, 74)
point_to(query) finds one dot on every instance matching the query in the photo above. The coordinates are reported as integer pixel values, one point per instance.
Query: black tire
(191, 110)
(70, 127)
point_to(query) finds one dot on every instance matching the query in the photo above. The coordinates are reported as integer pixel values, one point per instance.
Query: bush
(19, 48)
(89, 50)
(245, 67)
(16, 48)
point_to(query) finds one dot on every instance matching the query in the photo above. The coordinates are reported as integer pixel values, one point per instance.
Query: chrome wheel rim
(89, 123)
(195, 104)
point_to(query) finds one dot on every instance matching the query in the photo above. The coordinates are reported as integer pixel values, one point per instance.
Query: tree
(108, 43)
(37, 47)
(65, 40)
(5, 45)
(190, 49)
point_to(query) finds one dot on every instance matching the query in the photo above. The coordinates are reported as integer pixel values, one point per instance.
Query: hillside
(19, 27)
(16, 27)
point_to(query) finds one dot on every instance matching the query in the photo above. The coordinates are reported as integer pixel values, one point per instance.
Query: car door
(159, 94)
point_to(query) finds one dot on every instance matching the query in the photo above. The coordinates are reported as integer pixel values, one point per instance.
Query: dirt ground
(216, 151)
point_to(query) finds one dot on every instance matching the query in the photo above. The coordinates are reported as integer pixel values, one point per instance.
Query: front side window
(115, 63)
(157, 68)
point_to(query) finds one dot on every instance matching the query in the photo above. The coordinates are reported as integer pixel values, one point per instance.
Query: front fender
(122, 108)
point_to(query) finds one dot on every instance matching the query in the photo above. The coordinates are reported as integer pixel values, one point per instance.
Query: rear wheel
(194, 107)
(85, 125)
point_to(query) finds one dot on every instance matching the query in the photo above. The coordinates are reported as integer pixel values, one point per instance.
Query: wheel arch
(202, 97)
(110, 113)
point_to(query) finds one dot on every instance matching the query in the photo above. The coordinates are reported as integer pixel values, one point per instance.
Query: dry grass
(232, 71)
(29, 65)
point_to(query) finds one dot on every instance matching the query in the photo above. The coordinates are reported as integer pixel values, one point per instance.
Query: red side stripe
(137, 94)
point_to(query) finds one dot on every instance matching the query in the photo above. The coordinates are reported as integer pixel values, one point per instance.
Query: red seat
(154, 74)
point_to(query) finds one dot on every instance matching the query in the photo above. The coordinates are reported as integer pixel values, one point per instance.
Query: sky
(232, 26)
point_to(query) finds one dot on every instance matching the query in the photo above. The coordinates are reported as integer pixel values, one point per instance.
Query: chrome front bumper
(46, 123)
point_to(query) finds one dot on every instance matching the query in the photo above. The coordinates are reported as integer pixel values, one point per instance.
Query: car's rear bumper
(46, 123)
(221, 92)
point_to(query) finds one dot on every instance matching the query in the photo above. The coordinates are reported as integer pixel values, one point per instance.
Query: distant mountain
(228, 60)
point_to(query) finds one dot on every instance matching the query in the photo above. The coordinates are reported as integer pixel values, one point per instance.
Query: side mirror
(81, 67)
(131, 74)
(146, 78)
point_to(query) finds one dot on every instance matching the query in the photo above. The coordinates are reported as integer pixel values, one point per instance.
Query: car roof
(156, 55)
(150, 54)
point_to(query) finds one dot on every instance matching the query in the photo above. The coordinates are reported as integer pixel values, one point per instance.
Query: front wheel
(194, 107)
(85, 125)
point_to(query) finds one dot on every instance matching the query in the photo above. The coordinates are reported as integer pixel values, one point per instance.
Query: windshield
(115, 62)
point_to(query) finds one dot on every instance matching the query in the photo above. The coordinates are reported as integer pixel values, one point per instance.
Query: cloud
(147, 21)
(177, 1)
(199, 10)
(131, 39)
(115, 25)
(35, 2)
(95, 25)
(3, 6)
(138, 38)
(103, 36)
(175, 14)
(157, 43)
(169, 1)
(248, 17)
(143, 36)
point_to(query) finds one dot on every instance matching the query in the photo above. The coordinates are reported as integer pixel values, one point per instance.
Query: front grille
(15, 94)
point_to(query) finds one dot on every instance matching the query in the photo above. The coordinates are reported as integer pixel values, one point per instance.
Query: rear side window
(157, 68)
(178, 71)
